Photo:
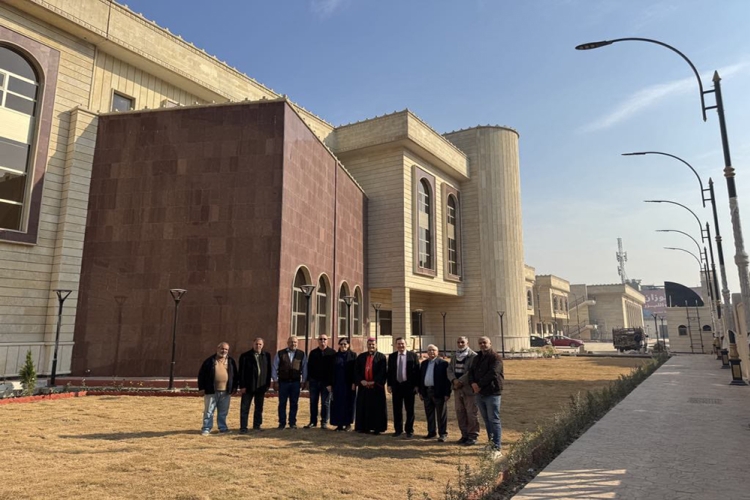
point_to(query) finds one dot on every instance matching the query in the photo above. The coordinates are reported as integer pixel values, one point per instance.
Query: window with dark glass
(19, 89)
(122, 102)
(682, 330)
(343, 312)
(321, 307)
(529, 300)
(452, 235)
(417, 323)
(356, 312)
(424, 221)
(299, 305)
(386, 322)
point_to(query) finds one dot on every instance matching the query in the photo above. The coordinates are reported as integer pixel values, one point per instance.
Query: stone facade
(602, 308)
(550, 300)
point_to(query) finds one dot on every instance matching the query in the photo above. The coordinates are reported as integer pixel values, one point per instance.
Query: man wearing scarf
(464, 401)
(370, 373)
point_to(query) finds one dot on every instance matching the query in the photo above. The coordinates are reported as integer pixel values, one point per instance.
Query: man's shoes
(429, 436)
(347, 428)
(470, 442)
(281, 426)
(376, 433)
(443, 438)
(225, 431)
(257, 428)
(462, 440)
(205, 433)
(310, 425)
(496, 454)
(409, 435)
(396, 434)
(340, 428)
(243, 431)
(324, 425)
(292, 426)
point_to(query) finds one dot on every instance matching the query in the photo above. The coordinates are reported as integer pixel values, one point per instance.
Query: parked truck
(628, 339)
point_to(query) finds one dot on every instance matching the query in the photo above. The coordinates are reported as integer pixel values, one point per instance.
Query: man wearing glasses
(320, 368)
(486, 380)
(465, 404)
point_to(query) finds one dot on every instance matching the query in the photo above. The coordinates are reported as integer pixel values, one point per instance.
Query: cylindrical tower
(492, 219)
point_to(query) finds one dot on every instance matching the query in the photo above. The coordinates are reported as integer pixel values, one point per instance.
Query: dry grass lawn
(131, 447)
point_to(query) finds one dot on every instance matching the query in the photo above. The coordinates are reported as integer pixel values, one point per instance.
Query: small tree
(28, 375)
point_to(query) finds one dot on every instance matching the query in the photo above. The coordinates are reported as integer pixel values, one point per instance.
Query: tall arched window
(357, 312)
(452, 236)
(19, 91)
(529, 300)
(424, 209)
(299, 305)
(343, 312)
(322, 306)
(682, 330)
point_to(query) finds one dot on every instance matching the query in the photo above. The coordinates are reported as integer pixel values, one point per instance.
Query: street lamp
(377, 306)
(419, 327)
(348, 301)
(177, 294)
(307, 290)
(725, 315)
(445, 343)
(502, 333)
(61, 296)
(741, 257)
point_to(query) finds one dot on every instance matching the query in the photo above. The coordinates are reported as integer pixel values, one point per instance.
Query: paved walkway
(683, 434)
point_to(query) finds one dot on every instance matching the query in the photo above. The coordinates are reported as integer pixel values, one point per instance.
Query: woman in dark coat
(342, 403)
(370, 375)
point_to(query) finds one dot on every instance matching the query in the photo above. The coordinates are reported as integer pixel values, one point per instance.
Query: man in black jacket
(320, 364)
(218, 379)
(435, 390)
(403, 383)
(254, 381)
(486, 380)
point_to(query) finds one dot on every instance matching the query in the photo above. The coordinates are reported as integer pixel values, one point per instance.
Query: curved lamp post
(177, 294)
(377, 306)
(419, 327)
(502, 332)
(61, 296)
(741, 257)
(348, 300)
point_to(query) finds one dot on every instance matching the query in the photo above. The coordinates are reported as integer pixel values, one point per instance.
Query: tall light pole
(348, 301)
(741, 257)
(61, 296)
(419, 327)
(445, 342)
(307, 290)
(377, 306)
(502, 332)
(177, 294)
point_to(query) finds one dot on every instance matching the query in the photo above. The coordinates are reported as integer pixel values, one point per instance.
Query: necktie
(400, 368)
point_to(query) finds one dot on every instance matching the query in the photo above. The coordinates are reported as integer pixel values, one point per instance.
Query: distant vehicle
(563, 341)
(627, 339)
(537, 341)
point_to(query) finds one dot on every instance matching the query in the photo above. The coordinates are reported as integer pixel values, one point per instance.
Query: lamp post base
(736, 373)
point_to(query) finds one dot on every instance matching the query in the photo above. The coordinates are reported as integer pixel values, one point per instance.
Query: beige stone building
(444, 215)
(597, 309)
(547, 301)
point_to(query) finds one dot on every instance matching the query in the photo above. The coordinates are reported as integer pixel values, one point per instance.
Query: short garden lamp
(307, 290)
(61, 296)
(377, 306)
(725, 358)
(177, 294)
(734, 361)
(349, 300)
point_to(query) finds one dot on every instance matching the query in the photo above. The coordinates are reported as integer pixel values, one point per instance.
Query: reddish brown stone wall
(183, 198)
(318, 196)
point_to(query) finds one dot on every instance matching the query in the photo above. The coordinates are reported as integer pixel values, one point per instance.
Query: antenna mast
(622, 258)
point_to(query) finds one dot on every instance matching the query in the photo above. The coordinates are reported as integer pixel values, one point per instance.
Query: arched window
(357, 312)
(424, 209)
(452, 236)
(707, 328)
(343, 312)
(529, 300)
(321, 306)
(299, 304)
(682, 330)
(19, 92)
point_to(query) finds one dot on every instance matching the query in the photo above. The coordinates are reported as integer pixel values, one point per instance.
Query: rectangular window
(386, 321)
(355, 318)
(416, 327)
(122, 102)
(321, 308)
(343, 323)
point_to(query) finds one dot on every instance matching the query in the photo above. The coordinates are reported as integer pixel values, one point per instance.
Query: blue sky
(461, 64)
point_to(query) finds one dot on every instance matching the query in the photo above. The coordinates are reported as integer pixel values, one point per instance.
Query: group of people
(348, 389)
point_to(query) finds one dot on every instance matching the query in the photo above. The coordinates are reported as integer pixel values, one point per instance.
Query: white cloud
(651, 95)
(325, 8)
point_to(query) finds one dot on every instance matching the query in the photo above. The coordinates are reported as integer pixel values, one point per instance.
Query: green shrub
(28, 375)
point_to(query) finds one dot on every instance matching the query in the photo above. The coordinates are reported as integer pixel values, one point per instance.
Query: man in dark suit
(435, 390)
(403, 383)
(255, 379)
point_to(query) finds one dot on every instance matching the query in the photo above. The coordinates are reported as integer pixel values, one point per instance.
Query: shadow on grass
(120, 436)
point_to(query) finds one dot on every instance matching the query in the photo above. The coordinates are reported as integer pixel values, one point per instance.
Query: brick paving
(683, 434)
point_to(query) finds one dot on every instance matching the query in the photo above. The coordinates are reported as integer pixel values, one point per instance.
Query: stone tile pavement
(683, 434)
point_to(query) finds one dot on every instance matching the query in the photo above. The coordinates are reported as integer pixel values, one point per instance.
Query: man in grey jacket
(466, 407)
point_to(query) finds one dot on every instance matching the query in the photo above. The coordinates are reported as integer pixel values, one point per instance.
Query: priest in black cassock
(370, 374)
